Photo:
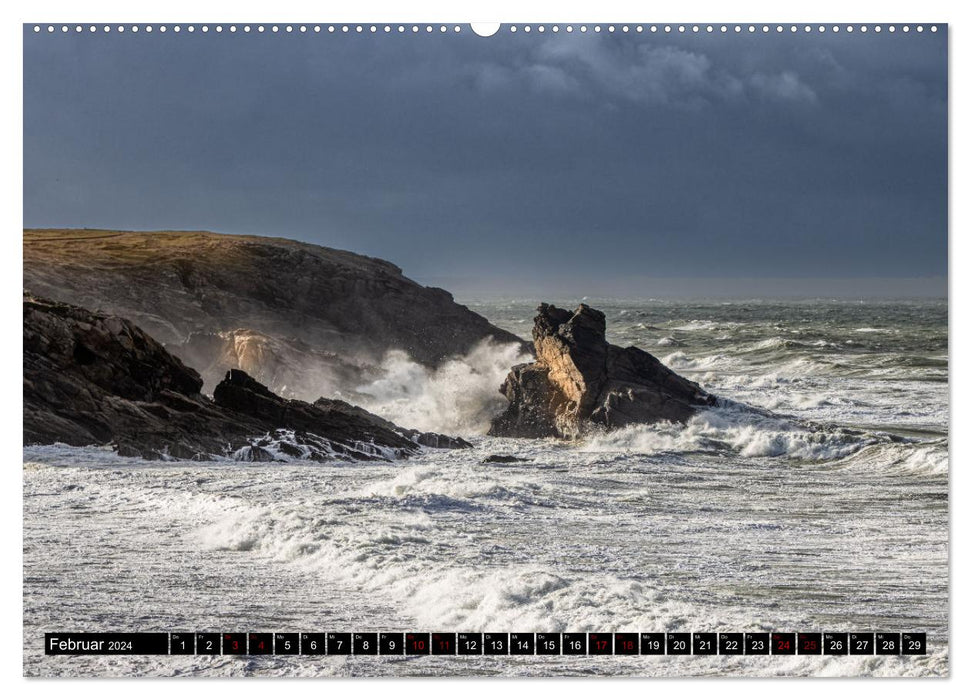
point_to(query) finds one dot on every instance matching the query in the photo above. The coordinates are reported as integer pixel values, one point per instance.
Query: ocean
(814, 498)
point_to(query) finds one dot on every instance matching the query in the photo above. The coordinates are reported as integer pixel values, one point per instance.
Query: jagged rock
(303, 319)
(426, 439)
(437, 440)
(92, 379)
(352, 428)
(580, 379)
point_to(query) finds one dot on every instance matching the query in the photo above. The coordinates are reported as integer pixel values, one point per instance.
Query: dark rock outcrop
(436, 440)
(504, 459)
(580, 379)
(92, 379)
(303, 319)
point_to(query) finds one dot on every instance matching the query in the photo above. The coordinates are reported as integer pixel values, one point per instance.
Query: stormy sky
(624, 164)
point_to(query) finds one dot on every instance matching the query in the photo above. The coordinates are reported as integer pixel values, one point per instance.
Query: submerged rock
(580, 379)
(92, 379)
(504, 459)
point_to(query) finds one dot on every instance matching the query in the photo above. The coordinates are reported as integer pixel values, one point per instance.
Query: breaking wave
(381, 560)
(738, 429)
(460, 397)
(926, 459)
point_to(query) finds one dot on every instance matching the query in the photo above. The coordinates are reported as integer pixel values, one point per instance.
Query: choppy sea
(814, 499)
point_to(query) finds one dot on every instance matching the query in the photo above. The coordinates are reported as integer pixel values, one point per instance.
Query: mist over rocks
(579, 379)
(95, 379)
(303, 319)
(290, 366)
(458, 397)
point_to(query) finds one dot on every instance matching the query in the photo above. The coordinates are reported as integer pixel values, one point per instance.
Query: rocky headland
(302, 319)
(97, 379)
(580, 380)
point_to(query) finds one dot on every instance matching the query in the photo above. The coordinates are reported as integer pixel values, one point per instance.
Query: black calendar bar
(98, 644)
(485, 643)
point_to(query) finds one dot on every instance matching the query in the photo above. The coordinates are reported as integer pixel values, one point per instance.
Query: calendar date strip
(486, 643)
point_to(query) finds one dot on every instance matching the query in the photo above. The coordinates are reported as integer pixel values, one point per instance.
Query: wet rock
(579, 379)
(503, 459)
(93, 379)
(253, 453)
(338, 421)
(434, 440)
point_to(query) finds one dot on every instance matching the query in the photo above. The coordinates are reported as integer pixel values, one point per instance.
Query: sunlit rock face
(580, 380)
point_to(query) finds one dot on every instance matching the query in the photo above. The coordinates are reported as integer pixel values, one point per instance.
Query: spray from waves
(681, 361)
(460, 397)
(740, 429)
(383, 561)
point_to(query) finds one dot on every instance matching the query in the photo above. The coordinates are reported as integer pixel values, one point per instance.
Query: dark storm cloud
(624, 157)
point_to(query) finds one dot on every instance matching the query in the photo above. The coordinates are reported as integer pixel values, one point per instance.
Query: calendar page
(525, 349)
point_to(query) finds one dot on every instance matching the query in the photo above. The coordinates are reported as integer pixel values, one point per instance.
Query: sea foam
(734, 428)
